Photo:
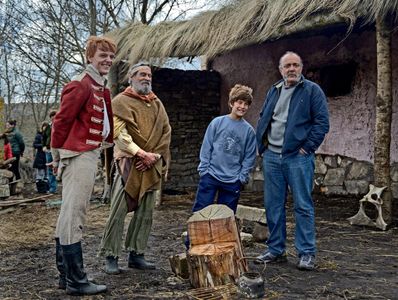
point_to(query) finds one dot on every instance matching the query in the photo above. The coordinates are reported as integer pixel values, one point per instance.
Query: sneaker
(306, 262)
(268, 257)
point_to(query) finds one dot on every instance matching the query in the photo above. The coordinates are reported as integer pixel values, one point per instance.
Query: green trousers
(139, 227)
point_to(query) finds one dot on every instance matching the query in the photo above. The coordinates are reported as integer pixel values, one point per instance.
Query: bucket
(251, 284)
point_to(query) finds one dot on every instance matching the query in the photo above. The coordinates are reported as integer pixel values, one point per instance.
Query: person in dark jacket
(293, 123)
(39, 162)
(52, 180)
(17, 146)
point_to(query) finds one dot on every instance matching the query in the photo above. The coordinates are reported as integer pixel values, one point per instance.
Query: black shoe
(60, 265)
(138, 261)
(111, 265)
(268, 257)
(76, 279)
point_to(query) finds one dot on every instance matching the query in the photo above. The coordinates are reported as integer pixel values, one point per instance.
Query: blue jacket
(307, 121)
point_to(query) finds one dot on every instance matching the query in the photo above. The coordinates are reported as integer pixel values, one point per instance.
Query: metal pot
(251, 285)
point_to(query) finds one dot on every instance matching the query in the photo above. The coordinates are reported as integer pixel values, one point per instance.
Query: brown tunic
(148, 125)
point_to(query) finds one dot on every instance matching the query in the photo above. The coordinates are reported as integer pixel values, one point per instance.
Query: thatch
(241, 23)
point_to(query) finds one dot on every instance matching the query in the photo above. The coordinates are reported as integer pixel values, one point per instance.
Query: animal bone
(374, 197)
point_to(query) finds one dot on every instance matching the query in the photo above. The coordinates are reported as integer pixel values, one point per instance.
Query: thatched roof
(242, 23)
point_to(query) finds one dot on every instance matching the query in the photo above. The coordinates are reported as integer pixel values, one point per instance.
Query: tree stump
(215, 253)
(179, 265)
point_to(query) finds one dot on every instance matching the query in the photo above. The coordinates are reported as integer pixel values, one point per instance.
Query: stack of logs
(5, 179)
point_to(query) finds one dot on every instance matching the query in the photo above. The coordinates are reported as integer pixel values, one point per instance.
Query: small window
(336, 80)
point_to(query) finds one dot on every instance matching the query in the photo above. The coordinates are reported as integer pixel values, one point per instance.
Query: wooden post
(215, 253)
(382, 140)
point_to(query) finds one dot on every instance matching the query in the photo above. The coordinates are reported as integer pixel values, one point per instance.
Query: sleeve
(73, 98)
(122, 139)
(249, 158)
(20, 142)
(207, 148)
(320, 123)
(38, 142)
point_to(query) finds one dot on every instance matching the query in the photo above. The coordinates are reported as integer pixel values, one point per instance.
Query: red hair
(94, 43)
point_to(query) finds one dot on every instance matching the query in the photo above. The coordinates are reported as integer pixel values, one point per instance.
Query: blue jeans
(228, 193)
(52, 180)
(295, 172)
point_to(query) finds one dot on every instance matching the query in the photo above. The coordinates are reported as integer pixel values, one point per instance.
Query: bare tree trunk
(383, 114)
(93, 17)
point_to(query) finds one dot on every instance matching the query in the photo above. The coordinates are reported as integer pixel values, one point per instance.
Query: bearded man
(142, 139)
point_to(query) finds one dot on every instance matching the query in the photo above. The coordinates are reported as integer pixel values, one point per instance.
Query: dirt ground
(352, 262)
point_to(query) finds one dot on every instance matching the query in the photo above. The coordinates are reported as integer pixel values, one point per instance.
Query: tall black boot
(60, 265)
(138, 261)
(76, 279)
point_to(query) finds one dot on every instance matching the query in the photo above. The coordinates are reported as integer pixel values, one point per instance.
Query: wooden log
(6, 173)
(4, 191)
(179, 265)
(215, 253)
(7, 203)
(217, 268)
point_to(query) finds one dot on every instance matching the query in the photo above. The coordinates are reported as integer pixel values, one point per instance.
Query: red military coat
(78, 125)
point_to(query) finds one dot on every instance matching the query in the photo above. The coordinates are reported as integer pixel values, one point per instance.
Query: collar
(130, 92)
(94, 74)
(281, 82)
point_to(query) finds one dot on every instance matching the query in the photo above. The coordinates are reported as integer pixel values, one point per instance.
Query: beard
(288, 77)
(140, 88)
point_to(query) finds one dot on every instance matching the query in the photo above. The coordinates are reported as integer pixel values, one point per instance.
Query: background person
(17, 146)
(39, 162)
(52, 180)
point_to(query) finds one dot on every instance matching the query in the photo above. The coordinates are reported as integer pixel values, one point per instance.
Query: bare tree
(43, 41)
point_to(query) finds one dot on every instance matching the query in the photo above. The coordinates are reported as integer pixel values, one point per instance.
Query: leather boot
(76, 279)
(111, 265)
(60, 265)
(138, 261)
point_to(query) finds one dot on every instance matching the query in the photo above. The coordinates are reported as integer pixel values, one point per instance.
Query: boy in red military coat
(83, 124)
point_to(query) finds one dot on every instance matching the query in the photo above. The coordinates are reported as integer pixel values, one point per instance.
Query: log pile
(215, 254)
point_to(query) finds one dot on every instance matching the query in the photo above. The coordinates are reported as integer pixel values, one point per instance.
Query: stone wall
(192, 100)
(336, 175)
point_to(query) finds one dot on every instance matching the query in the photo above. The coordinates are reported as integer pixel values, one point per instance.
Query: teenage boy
(228, 153)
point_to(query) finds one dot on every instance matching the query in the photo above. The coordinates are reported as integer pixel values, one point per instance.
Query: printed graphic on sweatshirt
(230, 143)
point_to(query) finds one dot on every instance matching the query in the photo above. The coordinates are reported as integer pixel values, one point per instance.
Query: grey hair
(289, 53)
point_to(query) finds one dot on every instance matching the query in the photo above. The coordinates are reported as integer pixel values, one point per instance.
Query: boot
(138, 261)
(60, 265)
(76, 279)
(111, 265)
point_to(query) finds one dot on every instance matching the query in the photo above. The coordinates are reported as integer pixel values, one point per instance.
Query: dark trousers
(228, 193)
(15, 166)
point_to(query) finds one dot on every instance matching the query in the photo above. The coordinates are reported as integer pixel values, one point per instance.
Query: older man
(142, 140)
(293, 123)
(83, 124)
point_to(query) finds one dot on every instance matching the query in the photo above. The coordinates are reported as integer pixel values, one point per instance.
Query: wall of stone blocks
(336, 175)
(192, 100)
